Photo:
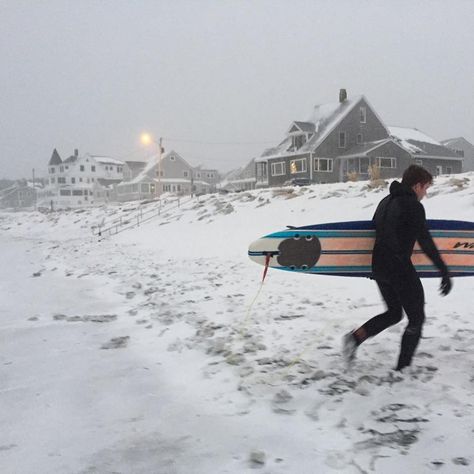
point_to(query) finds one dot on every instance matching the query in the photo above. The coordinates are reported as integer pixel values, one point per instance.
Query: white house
(80, 180)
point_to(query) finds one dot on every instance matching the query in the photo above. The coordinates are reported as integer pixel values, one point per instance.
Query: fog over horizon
(221, 81)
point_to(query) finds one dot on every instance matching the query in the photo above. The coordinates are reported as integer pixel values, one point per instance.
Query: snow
(406, 134)
(107, 160)
(143, 352)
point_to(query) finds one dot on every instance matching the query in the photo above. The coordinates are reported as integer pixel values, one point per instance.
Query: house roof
(108, 182)
(71, 159)
(420, 144)
(459, 141)
(106, 160)
(364, 148)
(136, 164)
(324, 118)
(304, 126)
(55, 159)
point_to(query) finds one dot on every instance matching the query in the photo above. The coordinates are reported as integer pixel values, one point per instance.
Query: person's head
(418, 179)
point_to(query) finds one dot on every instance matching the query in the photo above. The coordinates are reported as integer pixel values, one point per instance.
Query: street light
(146, 140)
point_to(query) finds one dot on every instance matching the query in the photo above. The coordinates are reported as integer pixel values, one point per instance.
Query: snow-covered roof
(405, 134)
(419, 143)
(324, 118)
(106, 160)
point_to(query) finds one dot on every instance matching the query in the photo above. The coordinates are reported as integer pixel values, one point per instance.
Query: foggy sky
(93, 75)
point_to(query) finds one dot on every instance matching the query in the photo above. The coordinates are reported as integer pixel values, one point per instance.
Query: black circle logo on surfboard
(299, 252)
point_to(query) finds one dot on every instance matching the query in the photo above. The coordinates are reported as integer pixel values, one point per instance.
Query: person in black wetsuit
(399, 222)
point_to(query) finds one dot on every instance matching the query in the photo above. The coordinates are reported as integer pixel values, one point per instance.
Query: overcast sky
(94, 74)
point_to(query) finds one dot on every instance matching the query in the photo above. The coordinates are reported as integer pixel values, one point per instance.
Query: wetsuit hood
(400, 189)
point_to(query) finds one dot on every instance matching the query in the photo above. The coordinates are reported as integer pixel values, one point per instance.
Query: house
(338, 141)
(463, 148)
(80, 180)
(20, 195)
(241, 179)
(170, 173)
(427, 152)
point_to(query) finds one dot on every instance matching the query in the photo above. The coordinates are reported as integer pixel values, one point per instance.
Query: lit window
(298, 166)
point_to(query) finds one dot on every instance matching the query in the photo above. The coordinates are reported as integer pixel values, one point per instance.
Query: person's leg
(382, 321)
(393, 315)
(413, 302)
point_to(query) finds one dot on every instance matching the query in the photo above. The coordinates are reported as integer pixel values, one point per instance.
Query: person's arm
(428, 246)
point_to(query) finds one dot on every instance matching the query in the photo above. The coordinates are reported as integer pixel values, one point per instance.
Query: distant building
(20, 195)
(80, 181)
(427, 152)
(463, 148)
(170, 174)
(348, 140)
(241, 179)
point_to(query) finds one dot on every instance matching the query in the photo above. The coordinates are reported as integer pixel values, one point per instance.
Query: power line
(182, 140)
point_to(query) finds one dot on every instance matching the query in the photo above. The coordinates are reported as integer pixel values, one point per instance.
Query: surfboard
(345, 249)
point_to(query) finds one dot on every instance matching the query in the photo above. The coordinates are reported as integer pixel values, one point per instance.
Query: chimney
(342, 95)
(76, 152)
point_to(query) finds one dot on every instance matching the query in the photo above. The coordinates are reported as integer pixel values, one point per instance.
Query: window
(172, 158)
(73, 180)
(363, 115)
(93, 168)
(199, 175)
(64, 192)
(166, 188)
(386, 162)
(279, 169)
(297, 141)
(324, 165)
(80, 180)
(61, 169)
(53, 170)
(159, 173)
(81, 168)
(342, 139)
(185, 173)
(419, 162)
(61, 180)
(77, 192)
(449, 169)
(298, 166)
(359, 138)
(67, 167)
(439, 170)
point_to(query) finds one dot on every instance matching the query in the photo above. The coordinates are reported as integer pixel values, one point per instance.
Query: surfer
(399, 222)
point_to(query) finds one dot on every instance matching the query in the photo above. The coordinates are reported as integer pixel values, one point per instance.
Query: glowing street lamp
(147, 140)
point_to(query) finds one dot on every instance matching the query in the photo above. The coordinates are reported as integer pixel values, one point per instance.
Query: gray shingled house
(427, 152)
(346, 140)
(463, 148)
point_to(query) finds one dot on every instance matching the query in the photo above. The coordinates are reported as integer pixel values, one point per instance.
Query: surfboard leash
(268, 257)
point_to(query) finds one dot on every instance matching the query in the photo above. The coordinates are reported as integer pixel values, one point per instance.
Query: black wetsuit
(400, 221)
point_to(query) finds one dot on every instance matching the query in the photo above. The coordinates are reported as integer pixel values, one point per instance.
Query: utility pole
(34, 189)
(159, 166)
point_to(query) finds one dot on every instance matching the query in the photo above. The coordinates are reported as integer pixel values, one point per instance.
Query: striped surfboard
(345, 249)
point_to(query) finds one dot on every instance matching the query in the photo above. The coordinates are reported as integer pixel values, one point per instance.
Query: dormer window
(297, 141)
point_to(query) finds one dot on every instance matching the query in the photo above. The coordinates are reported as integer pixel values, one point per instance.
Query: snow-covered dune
(156, 350)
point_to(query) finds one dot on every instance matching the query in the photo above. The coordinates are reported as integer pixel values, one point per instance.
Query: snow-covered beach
(140, 353)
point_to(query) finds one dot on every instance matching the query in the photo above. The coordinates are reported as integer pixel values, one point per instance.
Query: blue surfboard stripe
(433, 224)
